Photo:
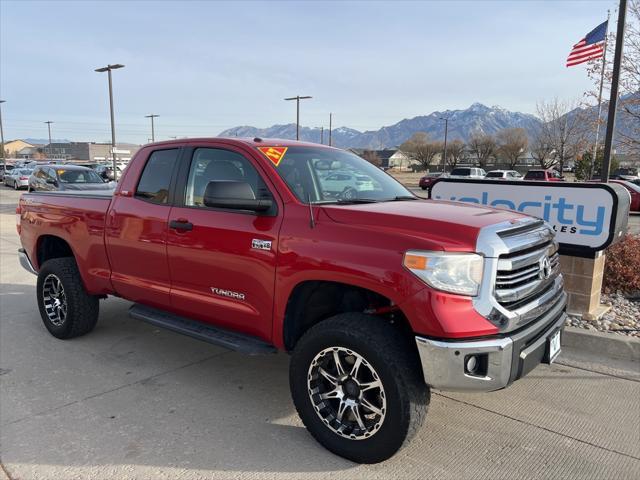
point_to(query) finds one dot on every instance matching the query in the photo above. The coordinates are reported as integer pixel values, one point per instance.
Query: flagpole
(613, 99)
(604, 63)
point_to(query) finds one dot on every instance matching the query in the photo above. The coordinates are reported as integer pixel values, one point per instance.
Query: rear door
(136, 233)
(223, 261)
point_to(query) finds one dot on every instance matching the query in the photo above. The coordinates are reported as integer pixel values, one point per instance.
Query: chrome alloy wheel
(346, 393)
(54, 299)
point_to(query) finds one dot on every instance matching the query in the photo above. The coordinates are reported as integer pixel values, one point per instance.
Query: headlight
(459, 273)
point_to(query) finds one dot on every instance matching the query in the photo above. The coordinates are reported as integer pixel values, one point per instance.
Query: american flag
(590, 47)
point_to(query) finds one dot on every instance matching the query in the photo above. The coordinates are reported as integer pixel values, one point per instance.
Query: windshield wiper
(346, 201)
(401, 198)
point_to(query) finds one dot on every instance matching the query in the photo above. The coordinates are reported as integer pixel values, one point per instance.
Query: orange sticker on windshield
(275, 154)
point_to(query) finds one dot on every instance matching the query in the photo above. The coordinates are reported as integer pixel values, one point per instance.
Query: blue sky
(204, 66)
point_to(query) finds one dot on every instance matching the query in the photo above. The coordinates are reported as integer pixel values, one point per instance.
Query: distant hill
(462, 123)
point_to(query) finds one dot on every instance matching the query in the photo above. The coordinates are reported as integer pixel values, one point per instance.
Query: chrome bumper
(25, 262)
(508, 358)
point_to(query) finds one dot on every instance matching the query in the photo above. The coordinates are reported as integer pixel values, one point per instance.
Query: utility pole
(330, 119)
(4, 159)
(297, 98)
(108, 69)
(444, 156)
(613, 100)
(153, 133)
(321, 135)
(49, 122)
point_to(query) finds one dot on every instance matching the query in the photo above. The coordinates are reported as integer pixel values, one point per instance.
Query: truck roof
(250, 141)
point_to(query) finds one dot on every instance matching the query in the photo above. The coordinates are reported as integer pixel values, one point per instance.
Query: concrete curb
(600, 343)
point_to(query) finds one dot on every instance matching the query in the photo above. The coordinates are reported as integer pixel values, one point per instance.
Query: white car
(346, 184)
(468, 172)
(504, 175)
(18, 178)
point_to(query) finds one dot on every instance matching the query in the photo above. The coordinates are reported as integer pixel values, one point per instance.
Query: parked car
(467, 172)
(3, 172)
(426, 181)
(67, 177)
(548, 175)
(504, 175)
(106, 171)
(625, 173)
(346, 184)
(18, 178)
(632, 188)
(232, 241)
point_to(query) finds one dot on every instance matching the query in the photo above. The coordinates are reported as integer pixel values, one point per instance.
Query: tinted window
(535, 175)
(494, 175)
(78, 176)
(156, 176)
(212, 164)
(461, 171)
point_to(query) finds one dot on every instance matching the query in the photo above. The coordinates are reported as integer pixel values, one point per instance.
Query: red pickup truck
(265, 245)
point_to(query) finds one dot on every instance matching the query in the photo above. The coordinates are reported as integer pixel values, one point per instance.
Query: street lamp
(4, 159)
(297, 98)
(153, 133)
(108, 69)
(444, 156)
(49, 122)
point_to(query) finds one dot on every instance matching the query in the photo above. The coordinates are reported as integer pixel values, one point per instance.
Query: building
(79, 151)
(382, 155)
(14, 146)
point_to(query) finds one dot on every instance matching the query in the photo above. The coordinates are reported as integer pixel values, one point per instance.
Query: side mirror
(51, 181)
(234, 195)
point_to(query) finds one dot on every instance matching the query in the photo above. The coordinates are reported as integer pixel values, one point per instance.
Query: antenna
(312, 222)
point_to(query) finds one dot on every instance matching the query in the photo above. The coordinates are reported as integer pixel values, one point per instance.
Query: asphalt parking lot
(133, 401)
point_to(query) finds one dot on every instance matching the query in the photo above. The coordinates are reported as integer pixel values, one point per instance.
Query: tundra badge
(261, 244)
(227, 293)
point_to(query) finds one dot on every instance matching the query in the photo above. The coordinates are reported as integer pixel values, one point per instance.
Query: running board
(201, 331)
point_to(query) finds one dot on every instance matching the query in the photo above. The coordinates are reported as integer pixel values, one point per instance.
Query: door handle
(181, 224)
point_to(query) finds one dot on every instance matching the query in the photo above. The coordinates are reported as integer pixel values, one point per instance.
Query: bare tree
(629, 86)
(456, 152)
(483, 146)
(421, 149)
(542, 151)
(372, 157)
(563, 127)
(512, 144)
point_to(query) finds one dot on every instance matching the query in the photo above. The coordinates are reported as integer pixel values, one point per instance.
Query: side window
(214, 164)
(156, 176)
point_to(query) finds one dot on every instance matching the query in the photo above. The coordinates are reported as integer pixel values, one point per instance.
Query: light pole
(49, 122)
(297, 98)
(4, 159)
(108, 69)
(444, 156)
(153, 133)
(321, 135)
(330, 118)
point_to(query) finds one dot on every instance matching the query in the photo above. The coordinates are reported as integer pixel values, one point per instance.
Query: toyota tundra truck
(378, 296)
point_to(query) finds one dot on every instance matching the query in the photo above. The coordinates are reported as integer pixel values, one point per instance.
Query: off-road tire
(393, 356)
(81, 308)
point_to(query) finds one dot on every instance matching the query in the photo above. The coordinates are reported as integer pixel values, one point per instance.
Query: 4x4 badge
(261, 244)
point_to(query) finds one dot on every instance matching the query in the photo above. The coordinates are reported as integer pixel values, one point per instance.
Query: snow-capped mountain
(462, 123)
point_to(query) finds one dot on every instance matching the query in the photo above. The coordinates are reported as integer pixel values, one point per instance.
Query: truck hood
(451, 226)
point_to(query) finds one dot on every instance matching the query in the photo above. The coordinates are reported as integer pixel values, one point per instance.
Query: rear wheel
(67, 310)
(357, 385)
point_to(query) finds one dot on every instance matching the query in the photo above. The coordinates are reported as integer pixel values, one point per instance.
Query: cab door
(223, 261)
(136, 232)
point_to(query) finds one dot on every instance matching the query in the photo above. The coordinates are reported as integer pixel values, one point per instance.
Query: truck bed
(77, 219)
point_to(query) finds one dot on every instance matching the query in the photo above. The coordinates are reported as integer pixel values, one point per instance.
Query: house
(14, 146)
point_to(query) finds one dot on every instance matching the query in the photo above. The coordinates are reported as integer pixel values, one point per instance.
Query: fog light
(472, 364)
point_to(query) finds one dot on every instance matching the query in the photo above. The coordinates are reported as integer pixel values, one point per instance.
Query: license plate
(554, 346)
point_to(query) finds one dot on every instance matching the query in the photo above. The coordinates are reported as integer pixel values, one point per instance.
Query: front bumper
(507, 358)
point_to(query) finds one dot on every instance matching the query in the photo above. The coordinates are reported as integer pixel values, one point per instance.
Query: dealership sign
(587, 217)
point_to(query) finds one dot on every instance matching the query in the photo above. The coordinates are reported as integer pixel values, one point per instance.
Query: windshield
(26, 172)
(323, 175)
(79, 176)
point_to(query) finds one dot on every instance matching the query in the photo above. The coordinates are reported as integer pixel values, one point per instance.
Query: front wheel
(357, 385)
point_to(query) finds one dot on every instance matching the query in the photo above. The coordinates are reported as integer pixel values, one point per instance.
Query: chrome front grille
(522, 278)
